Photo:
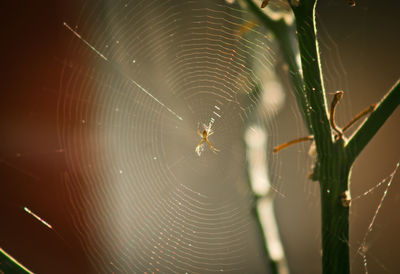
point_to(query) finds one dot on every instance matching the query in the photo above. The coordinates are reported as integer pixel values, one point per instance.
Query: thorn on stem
(351, 3)
(335, 101)
(366, 111)
(338, 96)
(295, 141)
(264, 3)
(345, 198)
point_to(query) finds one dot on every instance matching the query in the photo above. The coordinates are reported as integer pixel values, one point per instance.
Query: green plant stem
(256, 154)
(273, 265)
(333, 169)
(335, 232)
(284, 36)
(378, 117)
(335, 158)
(313, 81)
(334, 178)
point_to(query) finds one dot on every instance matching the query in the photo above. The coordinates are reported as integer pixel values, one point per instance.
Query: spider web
(119, 188)
(157, 70)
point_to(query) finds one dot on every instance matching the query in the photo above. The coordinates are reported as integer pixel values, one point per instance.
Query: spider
(204, 138)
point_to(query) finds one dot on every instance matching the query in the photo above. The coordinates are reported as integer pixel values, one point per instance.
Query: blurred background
(100, 104)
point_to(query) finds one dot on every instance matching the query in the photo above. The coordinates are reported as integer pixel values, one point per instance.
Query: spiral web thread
(140, 76)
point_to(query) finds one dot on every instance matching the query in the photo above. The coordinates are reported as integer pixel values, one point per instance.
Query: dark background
(32, 51)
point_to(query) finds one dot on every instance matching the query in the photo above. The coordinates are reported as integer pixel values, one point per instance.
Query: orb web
(139, 79)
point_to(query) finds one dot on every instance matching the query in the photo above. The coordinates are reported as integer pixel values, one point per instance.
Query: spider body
(207, 132)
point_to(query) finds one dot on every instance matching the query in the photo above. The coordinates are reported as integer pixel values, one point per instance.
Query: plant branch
(368, 129)
(263, 194)
(334, 158)
(284, 35)
(313, 81)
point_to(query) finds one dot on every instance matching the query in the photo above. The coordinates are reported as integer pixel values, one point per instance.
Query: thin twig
(335, 101)
(366, 111)
(295, 141)
(368, 129)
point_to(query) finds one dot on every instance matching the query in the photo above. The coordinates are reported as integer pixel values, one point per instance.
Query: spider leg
(199, 146)
(209, 129)
(211, 146)
(198, 130)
